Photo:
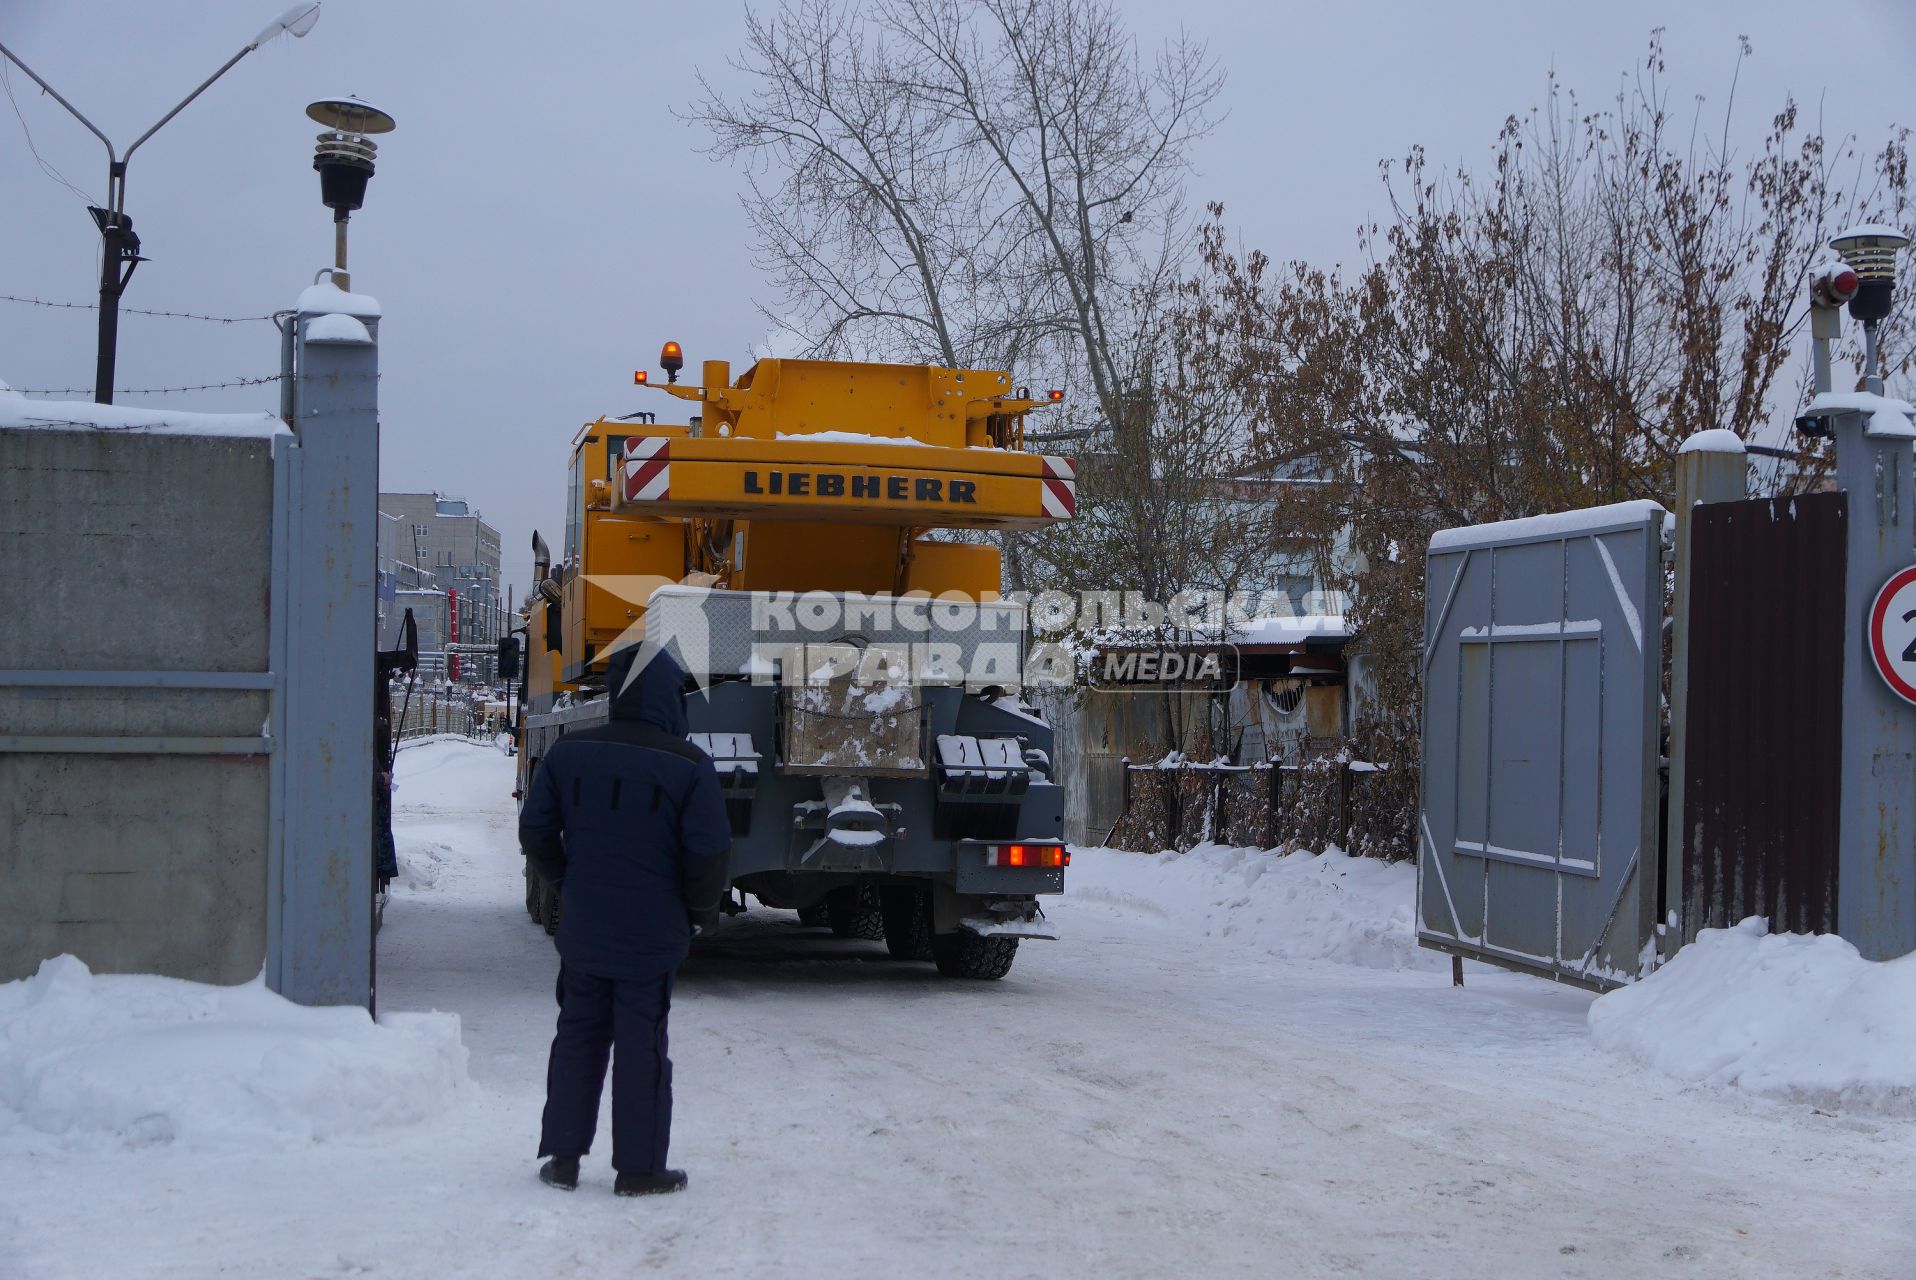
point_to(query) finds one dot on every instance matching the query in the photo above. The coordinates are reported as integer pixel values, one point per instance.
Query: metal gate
(1540, 809)
(1762, 786)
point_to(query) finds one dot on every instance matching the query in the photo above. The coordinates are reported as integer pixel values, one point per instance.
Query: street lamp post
(120, 247)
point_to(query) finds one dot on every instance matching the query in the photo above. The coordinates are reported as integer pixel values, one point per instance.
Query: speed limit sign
(1892, 632)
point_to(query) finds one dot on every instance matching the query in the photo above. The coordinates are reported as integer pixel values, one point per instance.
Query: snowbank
(133, 1060)
(1796, 1016)
(423, 862)
(1299, 906)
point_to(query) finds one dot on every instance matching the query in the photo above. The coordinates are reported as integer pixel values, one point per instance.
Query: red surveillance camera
(1833, 285)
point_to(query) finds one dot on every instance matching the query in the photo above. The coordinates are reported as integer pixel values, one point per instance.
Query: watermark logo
(635, 591)
(1140, 668)
(1104, 641)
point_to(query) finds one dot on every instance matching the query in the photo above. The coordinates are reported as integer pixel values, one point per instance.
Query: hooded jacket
(627, 819)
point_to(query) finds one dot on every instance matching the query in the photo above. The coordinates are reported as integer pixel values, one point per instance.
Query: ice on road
(1159, 1094)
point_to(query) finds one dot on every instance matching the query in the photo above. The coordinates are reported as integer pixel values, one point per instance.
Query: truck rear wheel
(815, 916)
(854, 913)
(966, 955)
(549, 907)
(906, 913)
(532, 895)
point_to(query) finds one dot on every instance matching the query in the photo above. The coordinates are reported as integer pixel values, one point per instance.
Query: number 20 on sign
(1892, 633)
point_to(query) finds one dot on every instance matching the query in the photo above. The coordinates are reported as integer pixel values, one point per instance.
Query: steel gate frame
(1599, 904)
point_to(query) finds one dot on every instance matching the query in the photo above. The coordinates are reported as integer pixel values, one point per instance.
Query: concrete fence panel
(134, 689)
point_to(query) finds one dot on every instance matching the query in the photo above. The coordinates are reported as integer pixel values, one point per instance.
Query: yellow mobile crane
(859, 682)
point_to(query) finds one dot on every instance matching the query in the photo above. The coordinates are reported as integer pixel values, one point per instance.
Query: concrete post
(1876, 869)
(1711, 467)
(324, 935)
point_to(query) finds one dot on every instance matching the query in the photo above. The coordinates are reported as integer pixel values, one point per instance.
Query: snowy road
(1136, 1100)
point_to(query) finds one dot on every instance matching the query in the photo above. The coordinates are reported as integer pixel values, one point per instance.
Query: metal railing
(1177, 802)
(435, 712)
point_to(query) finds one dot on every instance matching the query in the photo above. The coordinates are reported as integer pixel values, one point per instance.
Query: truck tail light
(1048, 856)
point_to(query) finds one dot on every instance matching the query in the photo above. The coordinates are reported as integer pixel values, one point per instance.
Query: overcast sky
(540, 221)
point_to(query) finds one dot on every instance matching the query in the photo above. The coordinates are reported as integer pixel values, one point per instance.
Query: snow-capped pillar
(1876, 869)
(321, 945)
(1712, 466)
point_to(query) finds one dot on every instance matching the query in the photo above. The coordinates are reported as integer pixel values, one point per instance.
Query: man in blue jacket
(627, 820)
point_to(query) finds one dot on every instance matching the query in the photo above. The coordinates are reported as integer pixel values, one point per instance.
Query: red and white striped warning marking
(648, 468)
(1058, 489)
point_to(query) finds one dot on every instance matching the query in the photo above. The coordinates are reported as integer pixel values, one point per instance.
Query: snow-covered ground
(1298, 906)
(1230, 1065)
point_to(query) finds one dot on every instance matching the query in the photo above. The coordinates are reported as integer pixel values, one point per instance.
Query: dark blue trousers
(624, 1019)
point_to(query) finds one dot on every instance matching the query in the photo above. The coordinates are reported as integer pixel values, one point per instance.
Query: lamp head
(295, 22)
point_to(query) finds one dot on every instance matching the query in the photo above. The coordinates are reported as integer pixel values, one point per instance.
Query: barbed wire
(129, 311)
(149, 391)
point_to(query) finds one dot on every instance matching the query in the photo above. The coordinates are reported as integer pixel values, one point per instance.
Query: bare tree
(999, 184)
(1088, 141)
(1541, 340)
(872, 213)
(967, 182)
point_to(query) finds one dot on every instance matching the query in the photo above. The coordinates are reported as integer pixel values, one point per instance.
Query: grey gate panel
(1542, 674)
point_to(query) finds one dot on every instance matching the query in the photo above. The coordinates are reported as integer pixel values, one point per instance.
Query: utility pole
(119, 246)
(119, 254)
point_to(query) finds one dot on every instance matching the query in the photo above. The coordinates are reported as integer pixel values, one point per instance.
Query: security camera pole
(1875, 452)
(120, 247)
(1831, 285)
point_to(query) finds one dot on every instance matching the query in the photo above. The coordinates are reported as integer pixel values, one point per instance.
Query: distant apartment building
(440, 559)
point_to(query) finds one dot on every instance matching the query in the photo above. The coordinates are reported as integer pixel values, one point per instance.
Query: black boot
(649, 1184)
(561, 1172)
